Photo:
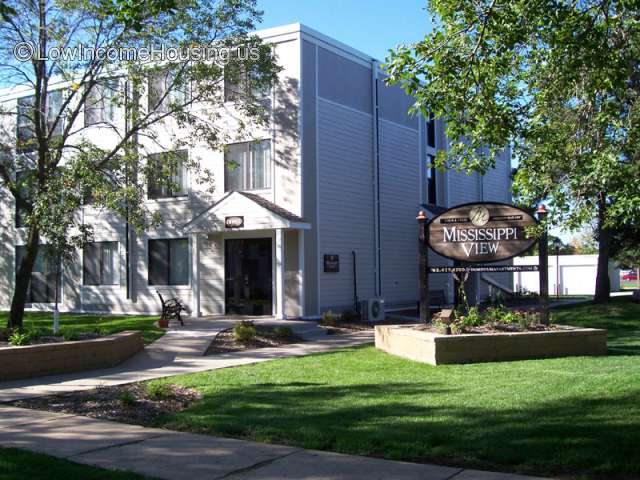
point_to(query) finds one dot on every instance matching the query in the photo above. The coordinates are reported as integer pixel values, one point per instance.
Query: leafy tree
(558, 81)
(625, 246)
(53, 165)
(585, 242)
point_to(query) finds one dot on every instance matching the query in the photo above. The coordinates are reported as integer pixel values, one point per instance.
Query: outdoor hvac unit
(373, 310)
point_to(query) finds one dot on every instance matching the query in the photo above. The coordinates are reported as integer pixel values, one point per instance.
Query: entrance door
(247, 264)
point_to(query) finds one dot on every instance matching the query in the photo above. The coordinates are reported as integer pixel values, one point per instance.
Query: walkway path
(181, 350)
(174, 455)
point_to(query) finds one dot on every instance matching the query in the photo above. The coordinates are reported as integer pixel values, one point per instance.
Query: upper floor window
(25, 123)
(169, 262)
(432, 192)
(100, 263)
(165, 90)
(168, 174)
(238, 83)
(431, 131)
(102, 102)
(248, 166)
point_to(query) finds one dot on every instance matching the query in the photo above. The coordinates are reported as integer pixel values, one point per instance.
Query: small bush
(127, 399)
(19, 338)
(159, 391)
(244, 331)
(283, 332)
(329, 319)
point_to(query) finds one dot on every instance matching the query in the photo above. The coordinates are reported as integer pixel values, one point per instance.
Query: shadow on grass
(592, 436)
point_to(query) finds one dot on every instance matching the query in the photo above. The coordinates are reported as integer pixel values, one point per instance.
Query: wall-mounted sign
(332, 263)
(481, 232)
(234, 222)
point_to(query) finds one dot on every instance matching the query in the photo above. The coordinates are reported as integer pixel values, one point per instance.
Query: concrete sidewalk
(181, 350)
(173, 455)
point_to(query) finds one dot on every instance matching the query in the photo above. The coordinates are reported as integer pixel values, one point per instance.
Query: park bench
(171, 308)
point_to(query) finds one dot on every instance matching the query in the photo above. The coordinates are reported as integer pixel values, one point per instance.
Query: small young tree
(148, 75)
(557, 81)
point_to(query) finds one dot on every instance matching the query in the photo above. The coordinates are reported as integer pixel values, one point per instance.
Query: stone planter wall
(436, 349)
(52, 358)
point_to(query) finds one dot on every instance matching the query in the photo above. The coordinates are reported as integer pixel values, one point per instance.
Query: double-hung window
(169, 261)
(42, 284)
(167, 92)
(101, 263)
(168, 174)
(248, 166)
(26, 116)
(101, 105)
(240, 83)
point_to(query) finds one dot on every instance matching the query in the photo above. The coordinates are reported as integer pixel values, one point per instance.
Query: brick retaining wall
(52, 358)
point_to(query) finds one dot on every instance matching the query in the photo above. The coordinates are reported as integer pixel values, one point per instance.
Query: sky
(371, 26)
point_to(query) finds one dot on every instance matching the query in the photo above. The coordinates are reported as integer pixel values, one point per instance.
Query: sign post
(473, 235)
(423, 266)
(543, 260)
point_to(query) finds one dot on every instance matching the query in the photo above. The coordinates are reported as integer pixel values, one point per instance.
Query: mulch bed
(225, 342)
(54, 339)
(123, 403)
(497, 328)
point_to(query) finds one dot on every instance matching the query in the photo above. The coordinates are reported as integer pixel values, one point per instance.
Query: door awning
(255, 212)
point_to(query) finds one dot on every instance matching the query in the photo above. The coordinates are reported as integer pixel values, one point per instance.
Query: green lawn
(78, 323)
(577, 417)
(19, 465)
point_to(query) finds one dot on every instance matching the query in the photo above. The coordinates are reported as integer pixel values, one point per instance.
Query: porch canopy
(256, 212)
(248, 212)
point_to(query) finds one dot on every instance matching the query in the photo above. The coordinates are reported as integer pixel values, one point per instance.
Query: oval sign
(481, 232)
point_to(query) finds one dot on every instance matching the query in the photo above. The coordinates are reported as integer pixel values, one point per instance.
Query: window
(101, 104)
(165, 90)
(238, 83)
(43, 277)
(168, 174)
(100, 263)
(22, 207)
(432, 196)
(25, 124)
(169, 262)
(431, 131)
(248, 166)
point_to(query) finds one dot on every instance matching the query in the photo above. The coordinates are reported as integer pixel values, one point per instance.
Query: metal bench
(171, 308)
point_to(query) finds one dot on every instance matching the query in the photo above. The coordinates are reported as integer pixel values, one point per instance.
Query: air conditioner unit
(373, 310)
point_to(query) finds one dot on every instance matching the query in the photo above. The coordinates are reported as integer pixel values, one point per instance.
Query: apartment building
(319, 214)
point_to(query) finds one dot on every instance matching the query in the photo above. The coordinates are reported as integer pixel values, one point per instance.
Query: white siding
(399, 203)
(346, 202)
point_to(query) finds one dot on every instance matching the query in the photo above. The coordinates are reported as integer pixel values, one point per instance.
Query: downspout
(376, 175)
(127, 253)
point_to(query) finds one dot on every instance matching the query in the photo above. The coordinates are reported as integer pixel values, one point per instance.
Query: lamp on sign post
(543, 260)
(557, 244)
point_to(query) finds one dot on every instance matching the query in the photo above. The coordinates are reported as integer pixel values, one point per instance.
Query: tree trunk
(23, 277)
(603, 284)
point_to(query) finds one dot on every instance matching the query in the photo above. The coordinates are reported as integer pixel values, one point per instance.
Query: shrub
(20, 338)
(127, 399)
(329, 319)
(471, 319)
(159, 391)
(283, 332)
(244, 331)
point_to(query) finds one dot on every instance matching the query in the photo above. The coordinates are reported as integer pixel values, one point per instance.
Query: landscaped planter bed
(64, 357)
(434, 348)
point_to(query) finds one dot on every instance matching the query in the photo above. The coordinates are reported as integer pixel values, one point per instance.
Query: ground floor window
(100, 263)
(42, 284)
(169, 261)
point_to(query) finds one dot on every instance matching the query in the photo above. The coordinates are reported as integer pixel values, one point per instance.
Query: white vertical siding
(346, 202)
